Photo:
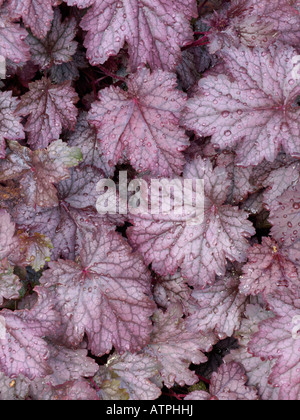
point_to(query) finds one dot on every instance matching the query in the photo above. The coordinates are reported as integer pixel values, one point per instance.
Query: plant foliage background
(145, 306)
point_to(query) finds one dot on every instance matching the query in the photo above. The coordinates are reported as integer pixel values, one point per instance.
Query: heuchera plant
(147, 306)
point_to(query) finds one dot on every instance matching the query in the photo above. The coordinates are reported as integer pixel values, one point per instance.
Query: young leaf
(173, 289)
(85, 137)
(219, 308)
(58, 46)
(228, 383)
(50, 108)
(133, 373)
(33, 250)
(9, 283)
(268, 268)
(39, 170)
(176, 347)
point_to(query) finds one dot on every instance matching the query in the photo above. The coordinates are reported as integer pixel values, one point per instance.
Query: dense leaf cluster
(136, 306)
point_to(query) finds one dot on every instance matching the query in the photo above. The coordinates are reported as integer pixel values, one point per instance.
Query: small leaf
(50, 108)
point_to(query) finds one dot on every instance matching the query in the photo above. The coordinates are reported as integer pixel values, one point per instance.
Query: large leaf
(169, 241)
(250, 110)
(154, 31)
(105, 296)
(142, 123)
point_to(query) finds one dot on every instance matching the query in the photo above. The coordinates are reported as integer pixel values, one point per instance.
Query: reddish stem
(202, 41)
(94, 384)
(201, 378)
(171, 393)
(110, 74)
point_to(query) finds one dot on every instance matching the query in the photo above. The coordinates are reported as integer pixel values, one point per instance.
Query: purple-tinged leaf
(39, 170)
(9, 283)
(66, 364)
(7, 234)
(154, 32)
(129, 376)
(278, 338)
(176, 347)
(76, 201)
(142, 123)
(58, 46)
(78, 390)
(254, 113)
(36, 14)
(85, 137)
(70, 70)
(50, 108)
(253, 23)
(241, 184)
(228, 383)
(219, 308)
(173, 289)
(170, 241)
(22, 347)
(13, 389)
(281, 179)
(12, 36)
(257, 370)
(108, 287)
(10, 125)
(285, 218)
(32, 250)
(268, 269)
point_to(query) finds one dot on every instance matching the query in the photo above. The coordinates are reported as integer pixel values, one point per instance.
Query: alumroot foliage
(134, 306)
